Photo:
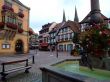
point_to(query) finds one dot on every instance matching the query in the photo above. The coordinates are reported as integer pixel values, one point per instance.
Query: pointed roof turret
(64, 17)
(76, 19)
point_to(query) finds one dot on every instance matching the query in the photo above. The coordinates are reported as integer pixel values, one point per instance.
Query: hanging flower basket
(30, 32)
(20, 30)
(20, 14)
(11, 25)
(2, 24)
(5, 8)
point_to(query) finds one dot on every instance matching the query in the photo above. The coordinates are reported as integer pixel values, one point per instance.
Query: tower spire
(64, 17)
(76, 19)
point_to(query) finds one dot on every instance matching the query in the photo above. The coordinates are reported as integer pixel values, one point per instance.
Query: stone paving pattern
(41, 58)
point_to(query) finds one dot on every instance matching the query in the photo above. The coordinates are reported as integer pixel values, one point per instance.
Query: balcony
(20, 14)
(7, 8)
(11, 25)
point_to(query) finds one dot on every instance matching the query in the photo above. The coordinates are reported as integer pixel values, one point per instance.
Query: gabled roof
(17, 1)
(87, 18)
(74, 26)
(55, 28)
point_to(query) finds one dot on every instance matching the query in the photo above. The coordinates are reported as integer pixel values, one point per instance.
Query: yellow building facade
(14, 27)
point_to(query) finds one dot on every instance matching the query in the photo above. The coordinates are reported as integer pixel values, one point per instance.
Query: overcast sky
(47, 11)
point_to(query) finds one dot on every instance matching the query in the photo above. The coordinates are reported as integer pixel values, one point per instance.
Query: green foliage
(99, 36)
(75, 38)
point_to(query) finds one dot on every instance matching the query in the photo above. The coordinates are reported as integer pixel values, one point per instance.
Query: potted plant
(20, 14)
(20, 30)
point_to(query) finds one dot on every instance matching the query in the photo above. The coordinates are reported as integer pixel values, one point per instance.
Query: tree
(97, 38)
(75, 38)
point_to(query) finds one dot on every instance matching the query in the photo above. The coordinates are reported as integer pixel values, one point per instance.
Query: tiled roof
(17, 1)
(74, 26)
(56, 28)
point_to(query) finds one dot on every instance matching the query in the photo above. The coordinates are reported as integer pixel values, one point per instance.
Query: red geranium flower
(20, 30)
(20, 14)
(11, 25)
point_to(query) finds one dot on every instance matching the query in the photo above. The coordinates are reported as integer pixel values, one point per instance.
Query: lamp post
(56, 50)
(36, 43)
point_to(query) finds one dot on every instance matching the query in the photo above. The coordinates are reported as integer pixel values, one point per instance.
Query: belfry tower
(95, 12)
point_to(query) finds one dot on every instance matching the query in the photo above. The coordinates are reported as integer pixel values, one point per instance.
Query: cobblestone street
(41, 58)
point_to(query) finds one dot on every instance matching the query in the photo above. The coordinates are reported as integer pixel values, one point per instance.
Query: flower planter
(30, 32)
(11, 25)
(2, 24)
(5, 8)
(20, 30)
(21, 15)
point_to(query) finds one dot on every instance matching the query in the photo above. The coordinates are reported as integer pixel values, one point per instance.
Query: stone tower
(95, 12)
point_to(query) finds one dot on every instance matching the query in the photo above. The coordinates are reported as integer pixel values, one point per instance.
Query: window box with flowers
(5, 8)
(20, 14)
(30, 32)
(20, 30)
(2, 24)
(11, 25)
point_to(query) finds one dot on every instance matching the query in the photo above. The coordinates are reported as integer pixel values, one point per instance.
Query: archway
(19, 46)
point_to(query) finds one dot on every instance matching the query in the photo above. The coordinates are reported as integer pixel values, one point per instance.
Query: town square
(38, 44)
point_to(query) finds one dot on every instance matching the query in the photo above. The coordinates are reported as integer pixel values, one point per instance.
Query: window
(71, 36)
(3, 18)
(66, 36)
(20, 10)
(66, 29)
(5, 46)
(20, 25)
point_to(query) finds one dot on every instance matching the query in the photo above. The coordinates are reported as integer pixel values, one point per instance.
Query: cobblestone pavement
(41, 58)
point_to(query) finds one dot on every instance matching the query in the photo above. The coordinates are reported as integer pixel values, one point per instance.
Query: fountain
(70, 70)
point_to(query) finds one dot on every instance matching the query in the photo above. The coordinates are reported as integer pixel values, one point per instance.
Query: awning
(43, 44)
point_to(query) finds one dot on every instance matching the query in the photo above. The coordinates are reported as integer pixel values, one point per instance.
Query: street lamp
(56, 50)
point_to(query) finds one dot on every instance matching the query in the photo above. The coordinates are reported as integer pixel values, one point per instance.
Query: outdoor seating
(25, 66)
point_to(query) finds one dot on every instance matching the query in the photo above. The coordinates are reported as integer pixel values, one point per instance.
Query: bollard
(33, 60)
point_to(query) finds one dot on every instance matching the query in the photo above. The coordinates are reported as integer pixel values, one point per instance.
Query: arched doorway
(19, 46)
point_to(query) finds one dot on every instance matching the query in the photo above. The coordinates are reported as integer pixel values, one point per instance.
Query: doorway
(19, 46)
